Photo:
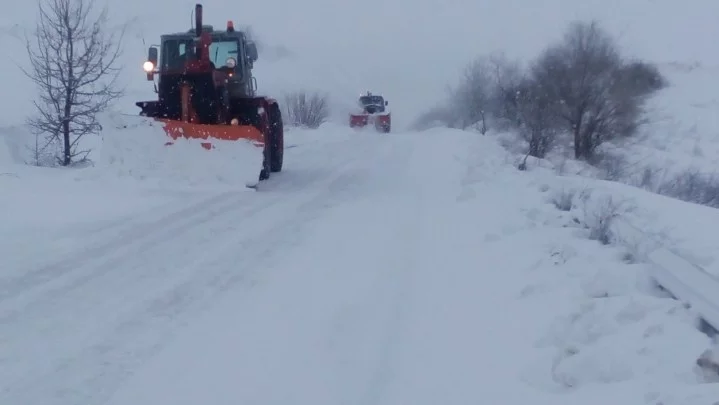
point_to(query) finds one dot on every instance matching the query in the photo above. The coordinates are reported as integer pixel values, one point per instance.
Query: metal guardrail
(688, 283)
(684, 280)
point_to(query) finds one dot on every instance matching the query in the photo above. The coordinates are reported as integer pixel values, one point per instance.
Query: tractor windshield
(175, 52)
(221, 51)
(372, 104)
(369, 100)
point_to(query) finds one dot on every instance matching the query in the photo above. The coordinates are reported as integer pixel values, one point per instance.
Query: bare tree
(507, 76)
(306, 110)
(632, 84)
(536, 117)
(73, 63)
(473, 96)
(641, 78)
(581, 74)
(486, 95)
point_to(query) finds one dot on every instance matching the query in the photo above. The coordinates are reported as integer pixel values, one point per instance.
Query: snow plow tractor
(206, 90)
(374, 111)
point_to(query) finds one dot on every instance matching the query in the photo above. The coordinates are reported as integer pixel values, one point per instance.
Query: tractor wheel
(277, 138)
(267, 150)
(268, 155)
(264, 175)
(266, 166)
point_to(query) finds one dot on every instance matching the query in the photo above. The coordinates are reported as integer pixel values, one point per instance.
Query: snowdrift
(131, 171)
(136, 148)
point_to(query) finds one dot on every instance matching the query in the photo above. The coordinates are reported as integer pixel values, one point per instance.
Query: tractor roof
(371, 96)
(190, 34)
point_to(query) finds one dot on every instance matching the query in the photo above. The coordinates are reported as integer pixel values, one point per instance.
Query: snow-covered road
(323, 269)
(379, 294)
(414, 268)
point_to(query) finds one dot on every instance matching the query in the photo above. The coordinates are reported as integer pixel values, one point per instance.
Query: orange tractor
(206, 90)
(373, 111)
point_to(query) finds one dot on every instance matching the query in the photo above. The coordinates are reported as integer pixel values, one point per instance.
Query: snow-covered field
(415, 267)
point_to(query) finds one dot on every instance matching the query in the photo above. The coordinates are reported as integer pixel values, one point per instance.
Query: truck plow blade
(179, 129)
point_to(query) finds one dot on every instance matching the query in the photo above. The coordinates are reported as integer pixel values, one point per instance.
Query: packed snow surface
(406, 268)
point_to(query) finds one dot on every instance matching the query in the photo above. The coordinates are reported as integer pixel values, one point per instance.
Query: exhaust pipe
(198, 20)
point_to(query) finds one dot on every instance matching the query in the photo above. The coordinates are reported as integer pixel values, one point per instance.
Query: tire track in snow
(428, 194)
(115, 248)
(447, 346)
(73, 310)
(290, 318)
(107, 354)
(395, 289)
(137, 239)
(137, 227)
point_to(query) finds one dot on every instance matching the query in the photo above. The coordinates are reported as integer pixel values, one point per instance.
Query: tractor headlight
(231, 63)
(148, 66)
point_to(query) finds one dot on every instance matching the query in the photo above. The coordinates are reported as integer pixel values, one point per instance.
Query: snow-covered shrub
(692, 186)
(306, 110)
(564, 199)
(599, 215)
(613, 166)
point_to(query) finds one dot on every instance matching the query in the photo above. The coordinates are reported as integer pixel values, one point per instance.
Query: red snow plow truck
(373, 110)
(206, 89)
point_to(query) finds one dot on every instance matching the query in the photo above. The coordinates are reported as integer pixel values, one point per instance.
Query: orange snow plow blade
(179, 129)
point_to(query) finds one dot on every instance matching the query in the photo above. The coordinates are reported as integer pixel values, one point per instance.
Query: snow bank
(133, 148)
(46, 211)
(132, 172)
(40, 198)
(603, 331)
(603, 328)
(655, 220)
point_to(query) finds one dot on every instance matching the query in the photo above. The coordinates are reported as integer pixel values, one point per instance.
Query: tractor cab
(226, 49)
(373, 104)
(218, 64)
(176, 52)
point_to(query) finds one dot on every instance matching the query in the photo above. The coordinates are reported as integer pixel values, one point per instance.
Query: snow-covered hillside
(414, 267)
(683, 133)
